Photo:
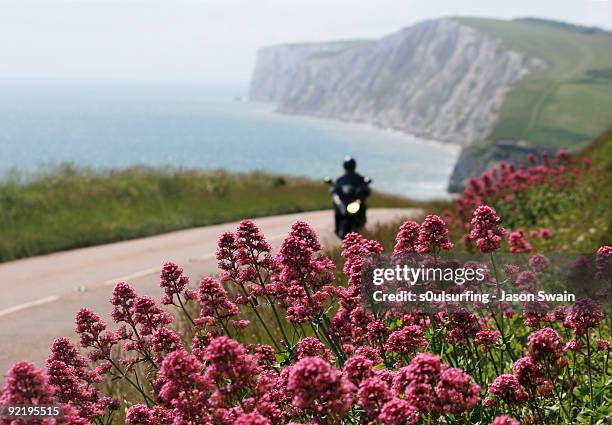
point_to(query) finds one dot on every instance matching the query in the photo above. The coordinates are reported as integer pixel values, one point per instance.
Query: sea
(113, 124)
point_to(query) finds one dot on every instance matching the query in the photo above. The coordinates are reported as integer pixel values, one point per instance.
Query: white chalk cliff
(438, 79)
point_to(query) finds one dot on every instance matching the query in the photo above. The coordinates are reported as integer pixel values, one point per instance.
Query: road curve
(41, 295)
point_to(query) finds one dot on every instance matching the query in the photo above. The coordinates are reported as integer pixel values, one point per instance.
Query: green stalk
(589, 367)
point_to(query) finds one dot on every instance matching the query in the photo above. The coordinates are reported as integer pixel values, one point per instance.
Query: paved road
(41, 295)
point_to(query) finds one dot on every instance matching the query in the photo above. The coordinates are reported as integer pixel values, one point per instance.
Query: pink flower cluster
(429, 236)
(327, 359)
(506, 182)
(486, 231)
(518, 242)
(533, 372)
(584, 314)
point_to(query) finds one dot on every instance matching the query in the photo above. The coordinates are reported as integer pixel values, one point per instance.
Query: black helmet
(349, 163)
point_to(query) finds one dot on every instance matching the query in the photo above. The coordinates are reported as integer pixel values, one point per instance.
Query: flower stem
(588, 341)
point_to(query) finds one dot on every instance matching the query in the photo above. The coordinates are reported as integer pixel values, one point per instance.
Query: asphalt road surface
(41, 295)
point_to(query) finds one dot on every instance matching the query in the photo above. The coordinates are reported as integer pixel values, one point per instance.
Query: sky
(215, 41)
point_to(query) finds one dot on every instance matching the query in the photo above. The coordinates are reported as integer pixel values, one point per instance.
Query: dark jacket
(351, 186)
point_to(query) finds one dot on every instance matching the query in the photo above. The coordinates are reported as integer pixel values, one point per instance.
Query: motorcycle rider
(349, 187)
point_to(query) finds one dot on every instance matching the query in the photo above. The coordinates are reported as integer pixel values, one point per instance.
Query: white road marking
(131, 276)
(154, 270)
(202, 258)
(30, 304)
(114, 281)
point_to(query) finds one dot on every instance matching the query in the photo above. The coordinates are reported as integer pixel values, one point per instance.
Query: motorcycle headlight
(353, 207)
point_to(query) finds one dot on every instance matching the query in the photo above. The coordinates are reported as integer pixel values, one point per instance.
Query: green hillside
(569, 102)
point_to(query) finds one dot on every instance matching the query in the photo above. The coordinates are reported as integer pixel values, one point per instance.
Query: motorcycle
(349, 206)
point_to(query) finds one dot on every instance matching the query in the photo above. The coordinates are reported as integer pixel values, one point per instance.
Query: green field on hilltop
(71, 207)
(567, 103)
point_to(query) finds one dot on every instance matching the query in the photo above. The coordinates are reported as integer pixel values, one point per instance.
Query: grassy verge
(71, 207)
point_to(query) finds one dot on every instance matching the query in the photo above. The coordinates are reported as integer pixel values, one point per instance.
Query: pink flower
(406, 341)
(603, 345)
(340, 324)
(229, 364)
(457, 392)
(417, 381)
(518, 242)
(140, 414)
(214, 301)
(240, 324)
(122, 299)
(71, 416)
(249, 238)
(165, 341)
(486, 230)
(369, 353)
(535, 312)
(148, 315)
(511, 270)
(312, 347)
(25, 384)
(545, 344)
(182, 386)
(603, 262)
(487, 338)
(573, 345)
(227, 256)
(253, 418)
(356, 250)
(584, 314)
(398, 411)
(91, 329)
(527, 281)
(539, 262)
(433, 234)
(507, 388)
(72, 382)
(69, 389)
(303, 231)
(252, 254)
(303, 280)
(265, 355)
(174, 283)
(562, 155)
(303, 307)
(377, 332)
(317, 386)
(407, 239)
(528, 372)
(505, 420)
(424, 369)
(357, 368)
(294, 258)
(546, 233)
(373, 393)
(558, 314)
(462, 326)
(64, 351)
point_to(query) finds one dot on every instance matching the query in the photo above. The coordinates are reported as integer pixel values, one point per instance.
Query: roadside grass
(70, 207)
(566, 104)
